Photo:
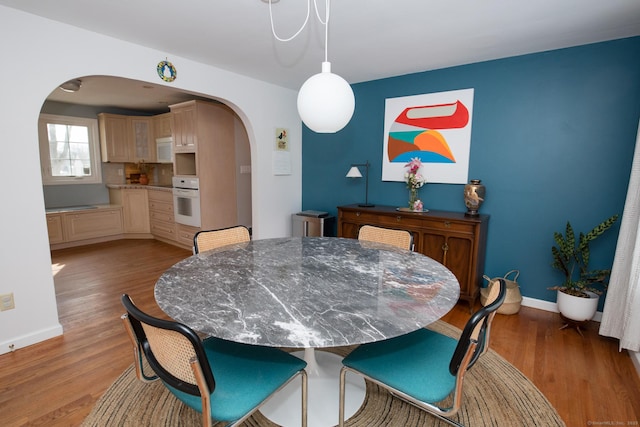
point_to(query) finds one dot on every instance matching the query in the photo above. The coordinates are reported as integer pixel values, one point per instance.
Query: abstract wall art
(436, 128)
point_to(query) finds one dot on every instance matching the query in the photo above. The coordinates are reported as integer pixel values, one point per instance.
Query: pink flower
(413, 178)
(417, 206)
(413, 165)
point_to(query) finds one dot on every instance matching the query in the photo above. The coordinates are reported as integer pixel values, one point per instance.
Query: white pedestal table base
(323, 370)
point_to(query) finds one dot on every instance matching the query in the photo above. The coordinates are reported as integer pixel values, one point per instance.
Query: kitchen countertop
(79, 208)
(168, 187)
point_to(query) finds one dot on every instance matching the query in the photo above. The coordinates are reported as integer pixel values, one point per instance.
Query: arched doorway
(116, 95)
(121, 96)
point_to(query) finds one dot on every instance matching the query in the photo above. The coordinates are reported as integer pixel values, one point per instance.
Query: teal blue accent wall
(553, 137)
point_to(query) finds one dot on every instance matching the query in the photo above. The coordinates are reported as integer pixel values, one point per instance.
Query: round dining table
(308, 293)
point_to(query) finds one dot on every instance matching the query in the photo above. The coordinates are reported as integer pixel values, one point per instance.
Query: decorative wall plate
(166, 71)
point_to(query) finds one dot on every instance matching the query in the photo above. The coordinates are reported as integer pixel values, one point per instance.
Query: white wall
(38, 55)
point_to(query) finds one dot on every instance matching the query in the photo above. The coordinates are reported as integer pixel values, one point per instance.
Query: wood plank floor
(57, 382)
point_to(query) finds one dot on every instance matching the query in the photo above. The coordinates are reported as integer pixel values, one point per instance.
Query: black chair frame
(135, 317)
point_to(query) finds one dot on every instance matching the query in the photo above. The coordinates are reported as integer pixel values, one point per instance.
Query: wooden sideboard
(452, 238)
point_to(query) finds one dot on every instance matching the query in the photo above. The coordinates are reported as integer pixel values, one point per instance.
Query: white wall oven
(186, 200)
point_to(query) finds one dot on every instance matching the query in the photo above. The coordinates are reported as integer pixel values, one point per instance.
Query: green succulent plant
(571, 257)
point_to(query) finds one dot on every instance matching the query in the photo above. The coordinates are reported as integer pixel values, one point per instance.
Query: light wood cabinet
(184, 129)
(54, 227)
(114, 138)
(135, 208)
(452, 238)
(89, 224)
(142, 141)
(162, 125)
(185, 235)
(205, 134)
(161, 216)
(127, 139)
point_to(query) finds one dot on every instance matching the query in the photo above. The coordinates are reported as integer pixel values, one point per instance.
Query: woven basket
(512, 300)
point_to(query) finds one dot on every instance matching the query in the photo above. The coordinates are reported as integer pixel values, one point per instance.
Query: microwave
(164, 150)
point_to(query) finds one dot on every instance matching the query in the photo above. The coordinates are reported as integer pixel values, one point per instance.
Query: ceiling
(368, 39)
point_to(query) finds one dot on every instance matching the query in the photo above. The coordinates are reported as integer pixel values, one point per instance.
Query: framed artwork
(434, 127)
(282, 139)
(281, 157)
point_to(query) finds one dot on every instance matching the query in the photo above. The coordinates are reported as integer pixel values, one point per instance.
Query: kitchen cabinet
(162, 126)
(135, 208)
(452, 238)
(184, 129)
(114, 138)
(163, 226)
(141, 139)
(93, 223)
(208, 130)
(185, 235)
(54, 227)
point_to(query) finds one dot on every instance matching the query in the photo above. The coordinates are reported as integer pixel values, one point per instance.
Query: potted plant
(579, 293)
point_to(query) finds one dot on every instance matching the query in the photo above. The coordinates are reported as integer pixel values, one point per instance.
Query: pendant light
(325, 101)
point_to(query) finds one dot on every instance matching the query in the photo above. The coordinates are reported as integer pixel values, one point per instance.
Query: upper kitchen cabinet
(162, 125)
(184, 129)
(142, 141)
(114, 138)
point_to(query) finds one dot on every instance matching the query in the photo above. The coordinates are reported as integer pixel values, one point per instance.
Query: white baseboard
(33, 338)
(550, 306)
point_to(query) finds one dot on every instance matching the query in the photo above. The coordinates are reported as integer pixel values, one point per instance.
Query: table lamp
(354, 172)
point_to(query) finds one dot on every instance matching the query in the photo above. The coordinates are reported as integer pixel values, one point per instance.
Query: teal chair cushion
(416, 364)
(245, 375)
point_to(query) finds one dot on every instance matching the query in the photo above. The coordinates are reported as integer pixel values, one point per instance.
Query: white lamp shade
(354, 172)
(326, 101)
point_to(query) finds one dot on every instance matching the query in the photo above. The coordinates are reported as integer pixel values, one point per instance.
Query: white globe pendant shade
(326, 101)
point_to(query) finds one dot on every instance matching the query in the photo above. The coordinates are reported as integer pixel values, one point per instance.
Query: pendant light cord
(325, 23)
(326, 28)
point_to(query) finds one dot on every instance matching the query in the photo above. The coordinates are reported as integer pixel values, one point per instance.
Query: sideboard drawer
(448, 225)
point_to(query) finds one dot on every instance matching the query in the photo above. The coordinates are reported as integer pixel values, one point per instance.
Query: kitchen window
(69, 150)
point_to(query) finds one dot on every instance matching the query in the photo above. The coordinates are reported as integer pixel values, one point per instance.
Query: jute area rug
(495, 394)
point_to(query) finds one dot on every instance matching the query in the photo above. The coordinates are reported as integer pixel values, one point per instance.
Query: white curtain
(621, 314)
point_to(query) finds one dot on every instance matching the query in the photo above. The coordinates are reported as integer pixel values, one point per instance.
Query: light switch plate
(7, 302)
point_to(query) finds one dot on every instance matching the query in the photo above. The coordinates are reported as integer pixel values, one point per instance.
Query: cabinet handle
(357, 213)
(445, 248)
(447, 224)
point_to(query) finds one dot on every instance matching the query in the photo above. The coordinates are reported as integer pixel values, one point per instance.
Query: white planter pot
(577, 308)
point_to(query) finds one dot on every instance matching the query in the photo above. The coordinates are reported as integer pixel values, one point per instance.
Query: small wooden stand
(573, 324)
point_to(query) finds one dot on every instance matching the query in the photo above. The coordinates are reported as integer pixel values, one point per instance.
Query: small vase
(413, 197)
(474, 193)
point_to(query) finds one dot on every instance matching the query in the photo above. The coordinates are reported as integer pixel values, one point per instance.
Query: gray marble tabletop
(308, 292)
